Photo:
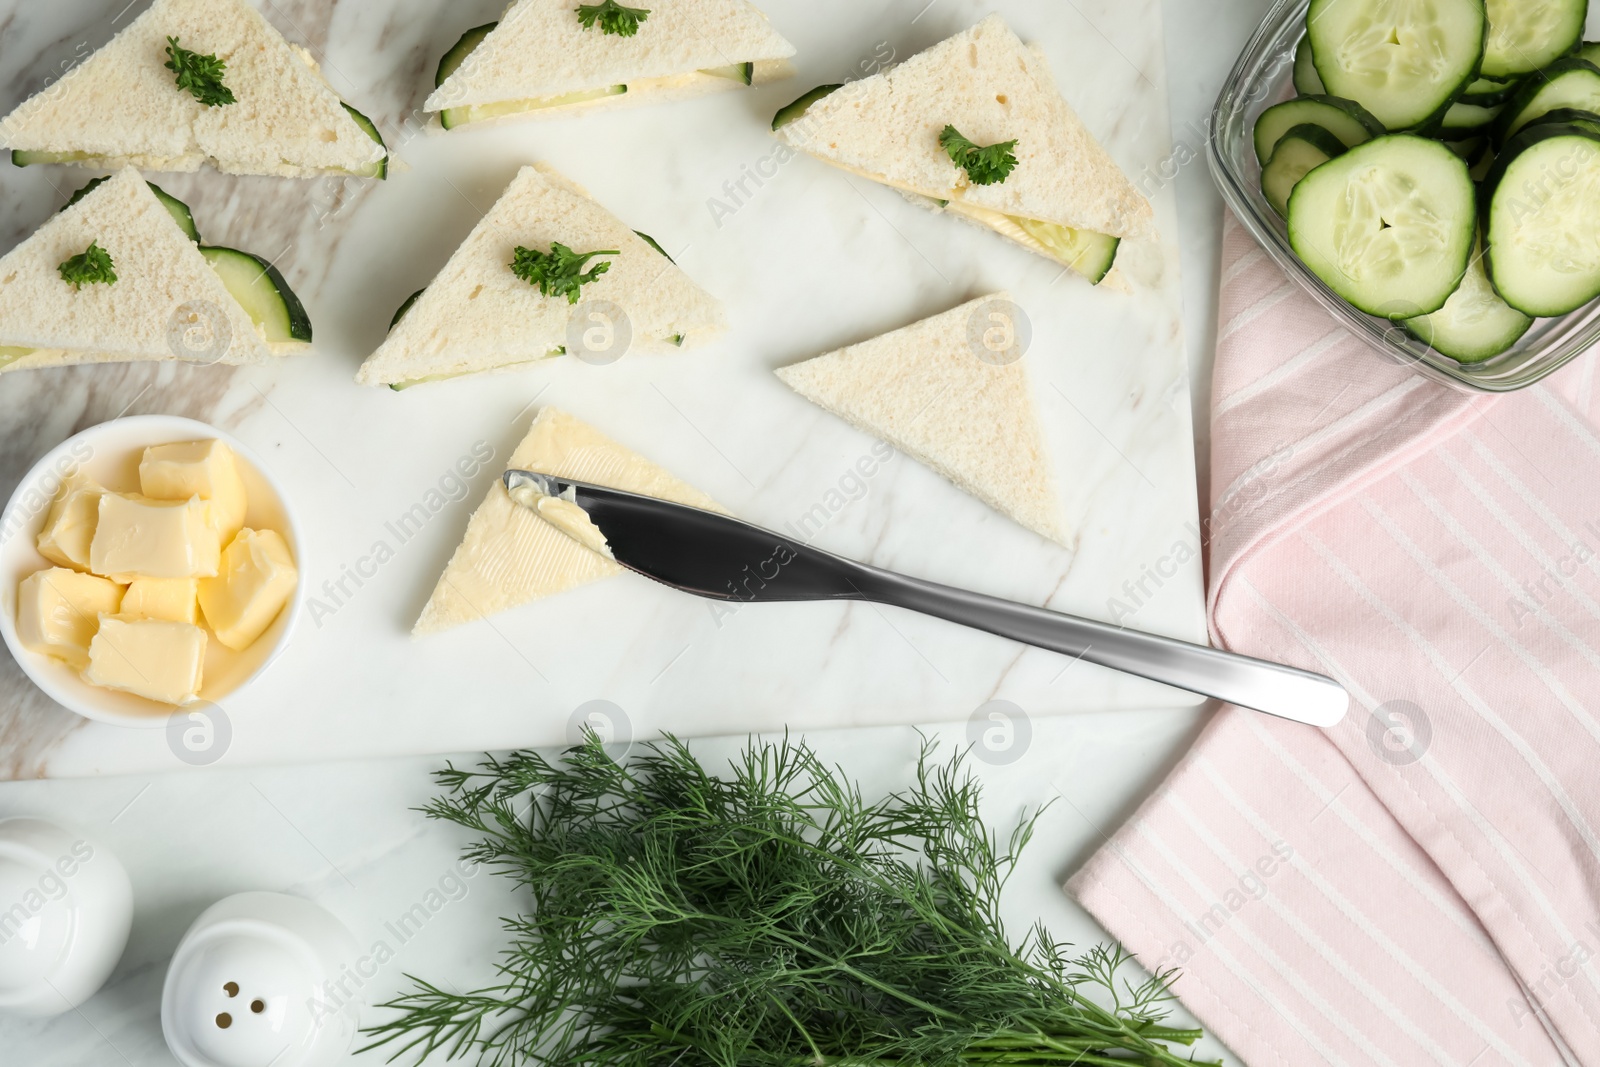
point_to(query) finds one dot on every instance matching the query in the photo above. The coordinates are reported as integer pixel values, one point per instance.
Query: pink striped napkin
(1418, 884)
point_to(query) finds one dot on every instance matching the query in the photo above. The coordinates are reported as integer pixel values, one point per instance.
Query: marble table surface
(806, 260)
(341, 832)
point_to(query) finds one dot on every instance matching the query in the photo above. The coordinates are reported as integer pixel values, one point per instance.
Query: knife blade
(722, 558)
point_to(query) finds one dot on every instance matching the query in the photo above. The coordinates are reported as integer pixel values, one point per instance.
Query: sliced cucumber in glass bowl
(1525, 35)
(1543, 218)
(1388, 225)
(1348, 121)
(1475, 324)
(1404, 62)
(1299, 152)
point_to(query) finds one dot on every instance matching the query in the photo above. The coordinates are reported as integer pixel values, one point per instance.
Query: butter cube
(58, 611)
(153, 658)
(69, 527)
(257, 579)
(174, 599)
(136, 537)
(206, 469)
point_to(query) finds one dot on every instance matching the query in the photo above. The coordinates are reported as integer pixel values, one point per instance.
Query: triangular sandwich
(511, 556)
(975, 126)
(502, 299)
(115, 277)
(191, 82)
(952, 393)
(549, 57)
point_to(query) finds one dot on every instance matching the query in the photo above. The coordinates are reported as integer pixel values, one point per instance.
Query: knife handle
(1251, 683)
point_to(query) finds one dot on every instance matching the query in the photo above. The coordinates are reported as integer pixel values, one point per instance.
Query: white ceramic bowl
(110, 453)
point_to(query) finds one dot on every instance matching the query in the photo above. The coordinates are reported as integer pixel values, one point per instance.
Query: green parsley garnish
(613, 17)
(89, 267)
(558, 272)
(985, 165)
(201, 75)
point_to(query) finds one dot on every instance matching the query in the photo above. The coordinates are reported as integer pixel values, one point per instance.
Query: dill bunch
(769, 918)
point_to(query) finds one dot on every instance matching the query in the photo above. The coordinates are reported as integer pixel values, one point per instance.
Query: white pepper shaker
(248, 986)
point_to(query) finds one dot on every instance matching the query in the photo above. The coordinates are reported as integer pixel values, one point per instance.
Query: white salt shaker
(65, 909)
(249, 986)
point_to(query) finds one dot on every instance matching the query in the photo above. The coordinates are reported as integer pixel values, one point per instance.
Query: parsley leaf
(558, 272)
(200, 75)
(91, 266)
(613, 17)
(987, 165)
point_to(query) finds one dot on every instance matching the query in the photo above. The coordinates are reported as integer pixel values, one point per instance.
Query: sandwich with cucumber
(546, 272)
(120, 275)
(1440, 166)
(193, 82)
(975, 127)
(553, 57)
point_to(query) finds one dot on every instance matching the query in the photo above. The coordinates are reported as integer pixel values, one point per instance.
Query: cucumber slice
(9, 354)
(1299, 152)
(176, 208)
(1543, 219)
(451, 117)
(401, 387)
(651, 241)
(743, 73)
(1085, 252)
(1525, 35)
(1348, 121)
(1590, 51)
(1388, 225)
(21, 158)
(1466, 119)
(791, 111)
(262, 292)
(1589, 120)
(1307, 82)
(1486, 92)
(1566, 83)
(1474, 323)
(460, 50)
(380, 169)
(1468, 149)
(400, 313)
(1404, 62)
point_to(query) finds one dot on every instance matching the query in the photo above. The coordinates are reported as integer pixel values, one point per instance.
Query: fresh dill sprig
(613, 17)
(200, 75)
(558, 272)
(985, 165)
(92, 266)
(770, 917)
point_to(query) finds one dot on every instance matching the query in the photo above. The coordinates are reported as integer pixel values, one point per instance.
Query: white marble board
(811, 259)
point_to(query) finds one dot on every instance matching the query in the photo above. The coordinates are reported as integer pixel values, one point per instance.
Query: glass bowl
(1261, 78)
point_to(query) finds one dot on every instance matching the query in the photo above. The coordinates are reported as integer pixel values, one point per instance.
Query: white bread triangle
(477, 315)
(540, 49)
(991, 88)
(159, 272)
(510, 556)
(121, 104)
(924, 389)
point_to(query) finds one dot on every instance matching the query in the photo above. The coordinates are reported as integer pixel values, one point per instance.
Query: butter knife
(722, 558)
